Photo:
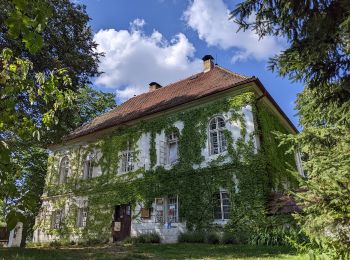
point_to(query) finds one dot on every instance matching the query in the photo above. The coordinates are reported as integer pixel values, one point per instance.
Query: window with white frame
(217, 141)
(82, 217)
(221, 205)
(166, 210)
(89, 166)
(56, 219)
(126, 159)
(64, 169)
(172, 148)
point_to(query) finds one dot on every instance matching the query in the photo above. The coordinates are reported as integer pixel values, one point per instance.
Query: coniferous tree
(318, 33)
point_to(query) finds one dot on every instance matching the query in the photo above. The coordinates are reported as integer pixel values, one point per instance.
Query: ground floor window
(56, 219)
(82, 217)
(222, 205)
(166, 210)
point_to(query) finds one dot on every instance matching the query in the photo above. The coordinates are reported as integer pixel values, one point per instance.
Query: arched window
(217, 141)
(89, 166)
(64, 169)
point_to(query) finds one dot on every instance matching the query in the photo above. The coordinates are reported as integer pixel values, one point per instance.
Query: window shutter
(163, 152)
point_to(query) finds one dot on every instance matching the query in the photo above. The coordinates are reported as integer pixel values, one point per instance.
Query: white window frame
(126, 160)
(172, 138)
(220, 135)
(64, 169)
(222, 206)
(89, 165)
(162, 207)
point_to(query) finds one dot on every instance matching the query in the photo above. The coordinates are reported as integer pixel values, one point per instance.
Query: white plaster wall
(235, 128)
(141, 226)
(15, 236)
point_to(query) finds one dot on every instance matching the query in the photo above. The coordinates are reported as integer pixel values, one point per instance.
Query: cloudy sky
(164, 41)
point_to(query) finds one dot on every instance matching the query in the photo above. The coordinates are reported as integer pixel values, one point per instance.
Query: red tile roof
(180, 92)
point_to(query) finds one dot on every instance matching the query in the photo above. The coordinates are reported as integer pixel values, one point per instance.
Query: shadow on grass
(154, 251)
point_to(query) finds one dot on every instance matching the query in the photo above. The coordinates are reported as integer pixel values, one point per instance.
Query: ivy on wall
(248, 175)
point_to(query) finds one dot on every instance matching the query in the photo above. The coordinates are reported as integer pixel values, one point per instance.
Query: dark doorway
(121, 224)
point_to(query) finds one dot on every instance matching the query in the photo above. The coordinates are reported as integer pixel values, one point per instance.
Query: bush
(55, 244)
(213, 238)
(192, 237)
(152, 238)
(228, 238)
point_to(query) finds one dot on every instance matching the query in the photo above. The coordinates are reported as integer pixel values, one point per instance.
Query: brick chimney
(208, 63)
(153, 86)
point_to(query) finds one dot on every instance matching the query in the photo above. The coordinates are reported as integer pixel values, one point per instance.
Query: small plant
(213, 238)
(152, 238)
(228, 238)
(192, 237)
(55, 244)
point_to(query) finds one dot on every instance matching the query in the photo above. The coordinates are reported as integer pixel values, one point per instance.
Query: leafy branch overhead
(27, 20)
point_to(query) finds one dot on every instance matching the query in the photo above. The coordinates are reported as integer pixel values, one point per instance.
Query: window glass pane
(221, 122)
(126, 160)
(159, 210)
(225, 205)
(172, 209)
(217, 206)
(64, 169)
(214, 143)
(222, 143)
(173, 153)
(213, 124)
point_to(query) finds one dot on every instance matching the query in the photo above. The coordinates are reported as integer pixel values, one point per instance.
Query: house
(191, 155)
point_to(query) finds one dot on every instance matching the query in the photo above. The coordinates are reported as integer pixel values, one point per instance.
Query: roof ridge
(233, 73)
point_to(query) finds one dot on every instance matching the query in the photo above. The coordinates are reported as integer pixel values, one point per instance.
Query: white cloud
(133, 59)
(210, 19)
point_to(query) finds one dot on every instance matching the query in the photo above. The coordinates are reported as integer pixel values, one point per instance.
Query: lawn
(155, 251)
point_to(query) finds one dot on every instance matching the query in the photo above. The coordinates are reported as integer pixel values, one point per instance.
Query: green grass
(155, 251)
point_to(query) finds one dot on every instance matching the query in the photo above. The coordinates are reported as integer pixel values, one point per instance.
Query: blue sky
(164, 41)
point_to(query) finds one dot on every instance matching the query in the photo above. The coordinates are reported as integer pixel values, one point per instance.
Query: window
(217, 141)
(64, 169)
(167, 210)
(126, 159)
(172, 210)
(172, 145)
(89, 166)
(222, 205)
(82, 217)
(56, 219)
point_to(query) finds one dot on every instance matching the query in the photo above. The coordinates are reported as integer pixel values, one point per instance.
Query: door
(121, 224)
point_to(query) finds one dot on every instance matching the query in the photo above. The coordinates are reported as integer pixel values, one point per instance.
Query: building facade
(190, 155)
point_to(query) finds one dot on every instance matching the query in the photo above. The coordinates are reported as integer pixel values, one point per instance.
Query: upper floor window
(222, 205)
(89, 166)
(64, 169)
(126, 159)
(217, 141)
(172, 148)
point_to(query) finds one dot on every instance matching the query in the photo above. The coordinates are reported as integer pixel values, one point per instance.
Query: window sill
(221, 222)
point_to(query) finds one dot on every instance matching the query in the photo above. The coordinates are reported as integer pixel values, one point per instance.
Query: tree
(44, 94)
(318, 33)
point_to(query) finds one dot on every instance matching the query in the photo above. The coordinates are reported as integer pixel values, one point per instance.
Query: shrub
(152, 238)
(213, 238)
(55, 244)
(192, 237)
(228, 238)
